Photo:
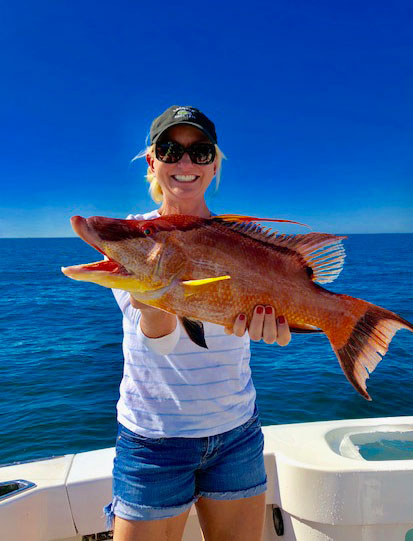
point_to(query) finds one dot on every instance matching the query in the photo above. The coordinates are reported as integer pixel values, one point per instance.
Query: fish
(212, 269)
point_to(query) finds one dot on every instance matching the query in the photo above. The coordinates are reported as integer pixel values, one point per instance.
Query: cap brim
(200, 128)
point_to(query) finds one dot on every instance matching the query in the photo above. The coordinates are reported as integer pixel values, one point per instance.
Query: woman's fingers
(256, 326)
(240, 325)
(265, 326)
(269, 331)
(283, 331)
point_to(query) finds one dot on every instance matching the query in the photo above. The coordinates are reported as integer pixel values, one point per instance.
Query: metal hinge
(277, 519)
(101, 536)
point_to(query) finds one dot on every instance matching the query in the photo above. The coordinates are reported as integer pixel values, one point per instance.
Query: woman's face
(183, 180)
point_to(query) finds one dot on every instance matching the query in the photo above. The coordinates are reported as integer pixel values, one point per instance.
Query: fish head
(139, 254)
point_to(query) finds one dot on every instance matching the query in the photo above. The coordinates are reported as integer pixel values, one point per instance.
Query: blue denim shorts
(155, 478)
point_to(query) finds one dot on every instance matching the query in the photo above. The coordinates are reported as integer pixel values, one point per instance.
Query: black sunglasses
(172, 152)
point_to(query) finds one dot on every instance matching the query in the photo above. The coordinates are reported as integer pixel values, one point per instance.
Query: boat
(347, 480)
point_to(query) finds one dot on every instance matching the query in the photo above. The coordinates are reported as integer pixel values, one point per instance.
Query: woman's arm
(158, 329)
(264, 325)
(154, 323)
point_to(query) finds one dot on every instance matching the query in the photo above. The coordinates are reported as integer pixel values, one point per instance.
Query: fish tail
(362, 338)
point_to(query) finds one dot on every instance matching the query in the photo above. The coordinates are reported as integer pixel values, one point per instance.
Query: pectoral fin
(191, 286)
(195, 331)
(203, 281)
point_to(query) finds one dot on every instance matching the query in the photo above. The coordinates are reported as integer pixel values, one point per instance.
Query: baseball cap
(176, 115)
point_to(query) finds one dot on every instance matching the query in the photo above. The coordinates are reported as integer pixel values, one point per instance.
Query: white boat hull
(317, 478)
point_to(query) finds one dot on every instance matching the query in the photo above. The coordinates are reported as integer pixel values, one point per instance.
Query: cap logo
(184, 113)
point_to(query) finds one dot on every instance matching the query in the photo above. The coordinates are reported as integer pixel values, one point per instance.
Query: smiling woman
(189, 431)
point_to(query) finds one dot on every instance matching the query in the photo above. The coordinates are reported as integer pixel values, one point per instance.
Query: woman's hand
(263, 326)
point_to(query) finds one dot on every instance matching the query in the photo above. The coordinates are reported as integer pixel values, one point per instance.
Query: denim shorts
(156, 478)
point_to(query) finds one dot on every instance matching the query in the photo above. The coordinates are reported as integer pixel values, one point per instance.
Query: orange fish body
(214, 269)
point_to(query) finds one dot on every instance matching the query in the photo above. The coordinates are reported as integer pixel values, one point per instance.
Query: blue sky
(312, 102)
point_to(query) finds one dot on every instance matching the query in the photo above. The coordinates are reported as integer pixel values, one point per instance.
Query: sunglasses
(172, 152)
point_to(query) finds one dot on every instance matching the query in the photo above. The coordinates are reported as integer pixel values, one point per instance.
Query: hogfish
(212, 269)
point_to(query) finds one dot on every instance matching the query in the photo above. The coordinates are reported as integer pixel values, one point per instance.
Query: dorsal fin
(322, 253)
(240, 218)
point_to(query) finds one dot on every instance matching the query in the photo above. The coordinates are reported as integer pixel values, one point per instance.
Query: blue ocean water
(61, 357)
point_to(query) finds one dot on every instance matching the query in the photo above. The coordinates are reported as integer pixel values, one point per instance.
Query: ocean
(61, 357)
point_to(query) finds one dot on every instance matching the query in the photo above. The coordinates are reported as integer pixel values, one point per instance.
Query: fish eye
(147, 231)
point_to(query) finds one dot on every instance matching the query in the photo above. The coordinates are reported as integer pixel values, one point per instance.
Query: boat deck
(319, 488)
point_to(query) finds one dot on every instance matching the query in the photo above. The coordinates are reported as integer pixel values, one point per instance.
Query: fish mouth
(102, 267)
(82, 228)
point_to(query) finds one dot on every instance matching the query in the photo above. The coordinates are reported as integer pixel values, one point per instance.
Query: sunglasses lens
(169, 152)
(202, 153)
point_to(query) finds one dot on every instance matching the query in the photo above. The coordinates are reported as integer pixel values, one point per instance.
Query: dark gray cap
(176, 115)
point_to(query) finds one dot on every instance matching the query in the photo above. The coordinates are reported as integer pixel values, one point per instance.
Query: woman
(188, 425)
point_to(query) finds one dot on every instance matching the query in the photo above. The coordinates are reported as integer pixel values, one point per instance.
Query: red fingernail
(260, 310)
(242, 317)
(281, 320)
(268, 310)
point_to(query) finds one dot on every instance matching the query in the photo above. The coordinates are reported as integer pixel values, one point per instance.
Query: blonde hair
(155, 189)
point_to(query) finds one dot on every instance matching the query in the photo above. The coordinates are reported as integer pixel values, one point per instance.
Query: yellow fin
(203, 281)
(191, 286)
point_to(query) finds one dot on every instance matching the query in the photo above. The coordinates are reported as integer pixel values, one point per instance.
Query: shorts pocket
(124, 434)
(254, 420)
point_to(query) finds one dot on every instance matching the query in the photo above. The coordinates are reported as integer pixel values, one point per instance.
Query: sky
(312, 101)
